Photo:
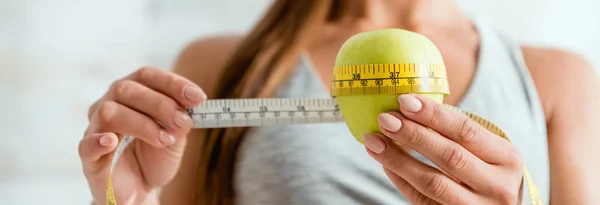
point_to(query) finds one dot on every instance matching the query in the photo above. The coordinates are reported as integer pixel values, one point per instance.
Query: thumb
(93, 147)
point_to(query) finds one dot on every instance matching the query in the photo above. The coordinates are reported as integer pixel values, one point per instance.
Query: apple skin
(385, 46)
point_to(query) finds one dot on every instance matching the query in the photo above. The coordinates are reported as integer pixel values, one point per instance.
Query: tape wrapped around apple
(386, 46)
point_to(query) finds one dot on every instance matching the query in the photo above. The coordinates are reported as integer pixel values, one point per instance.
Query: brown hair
(263, 60)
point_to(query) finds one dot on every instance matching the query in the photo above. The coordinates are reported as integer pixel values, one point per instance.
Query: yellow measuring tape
(376, 79)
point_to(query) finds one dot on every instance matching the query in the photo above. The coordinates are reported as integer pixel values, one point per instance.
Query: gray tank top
(324, 164)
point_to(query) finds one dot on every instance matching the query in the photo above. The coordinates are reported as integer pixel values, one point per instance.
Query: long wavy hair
(262, 61)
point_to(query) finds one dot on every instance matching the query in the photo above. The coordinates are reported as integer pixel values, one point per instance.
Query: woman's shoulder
(203, 60)
(556, 72)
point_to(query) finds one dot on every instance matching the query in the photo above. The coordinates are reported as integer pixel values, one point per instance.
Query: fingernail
(183, 120)
(166, 138)
(389, 122)
(194, 94)
(374, 143)
(105, 140)
(410, 102)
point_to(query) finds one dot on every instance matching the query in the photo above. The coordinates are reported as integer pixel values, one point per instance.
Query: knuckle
(454, 158)
(422, 199)
(145, 73)
(507, 195)
(436, 115)
(468, 132)
(515, 158)
(106, 112)
(413, 193)
(82, 148)
(91, 110)
(435, 185)
(416, 136)
(398, 162)
(122, 88)
(172, 79)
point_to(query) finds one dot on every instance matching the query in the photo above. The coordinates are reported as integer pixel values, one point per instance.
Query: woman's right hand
(149, 104)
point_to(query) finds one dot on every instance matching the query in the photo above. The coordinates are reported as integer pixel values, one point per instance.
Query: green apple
(385, 46)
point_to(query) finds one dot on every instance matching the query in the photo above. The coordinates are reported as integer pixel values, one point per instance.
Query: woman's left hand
(475, 165)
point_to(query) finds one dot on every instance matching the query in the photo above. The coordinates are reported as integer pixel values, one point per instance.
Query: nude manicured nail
(374, 143)
(166, 138)
(105, 140)
(183, 120)
(389, 122)
(410, 102)
(194, 94)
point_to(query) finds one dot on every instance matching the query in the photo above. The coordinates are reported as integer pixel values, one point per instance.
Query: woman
(543, 98)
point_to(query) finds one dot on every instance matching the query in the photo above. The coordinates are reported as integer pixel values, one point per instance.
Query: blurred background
(58, 56)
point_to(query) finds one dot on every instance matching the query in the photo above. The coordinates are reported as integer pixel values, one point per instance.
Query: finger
(409, 192)
(457, 127)
(445, 153)
(170, 84)
(92, 147)
(154, 104)
(92, 109)
(113, 117)
(424, 178)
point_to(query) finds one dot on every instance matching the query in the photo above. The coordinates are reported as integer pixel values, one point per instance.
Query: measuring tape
(371, 79)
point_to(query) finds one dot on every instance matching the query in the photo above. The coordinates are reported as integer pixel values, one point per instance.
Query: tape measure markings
(386, 71)
(387, 79)
(261, 112)
(399, 78)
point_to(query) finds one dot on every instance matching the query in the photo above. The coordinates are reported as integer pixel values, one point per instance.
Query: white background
(57, 56)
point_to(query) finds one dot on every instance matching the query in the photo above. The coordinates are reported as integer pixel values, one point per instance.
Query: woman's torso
(324, 164)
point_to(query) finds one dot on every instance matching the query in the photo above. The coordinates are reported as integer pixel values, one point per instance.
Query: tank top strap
(501, 68)
(518, 59)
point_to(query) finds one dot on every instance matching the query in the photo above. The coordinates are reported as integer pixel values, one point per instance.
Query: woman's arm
(201, 62)
(570, 93)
